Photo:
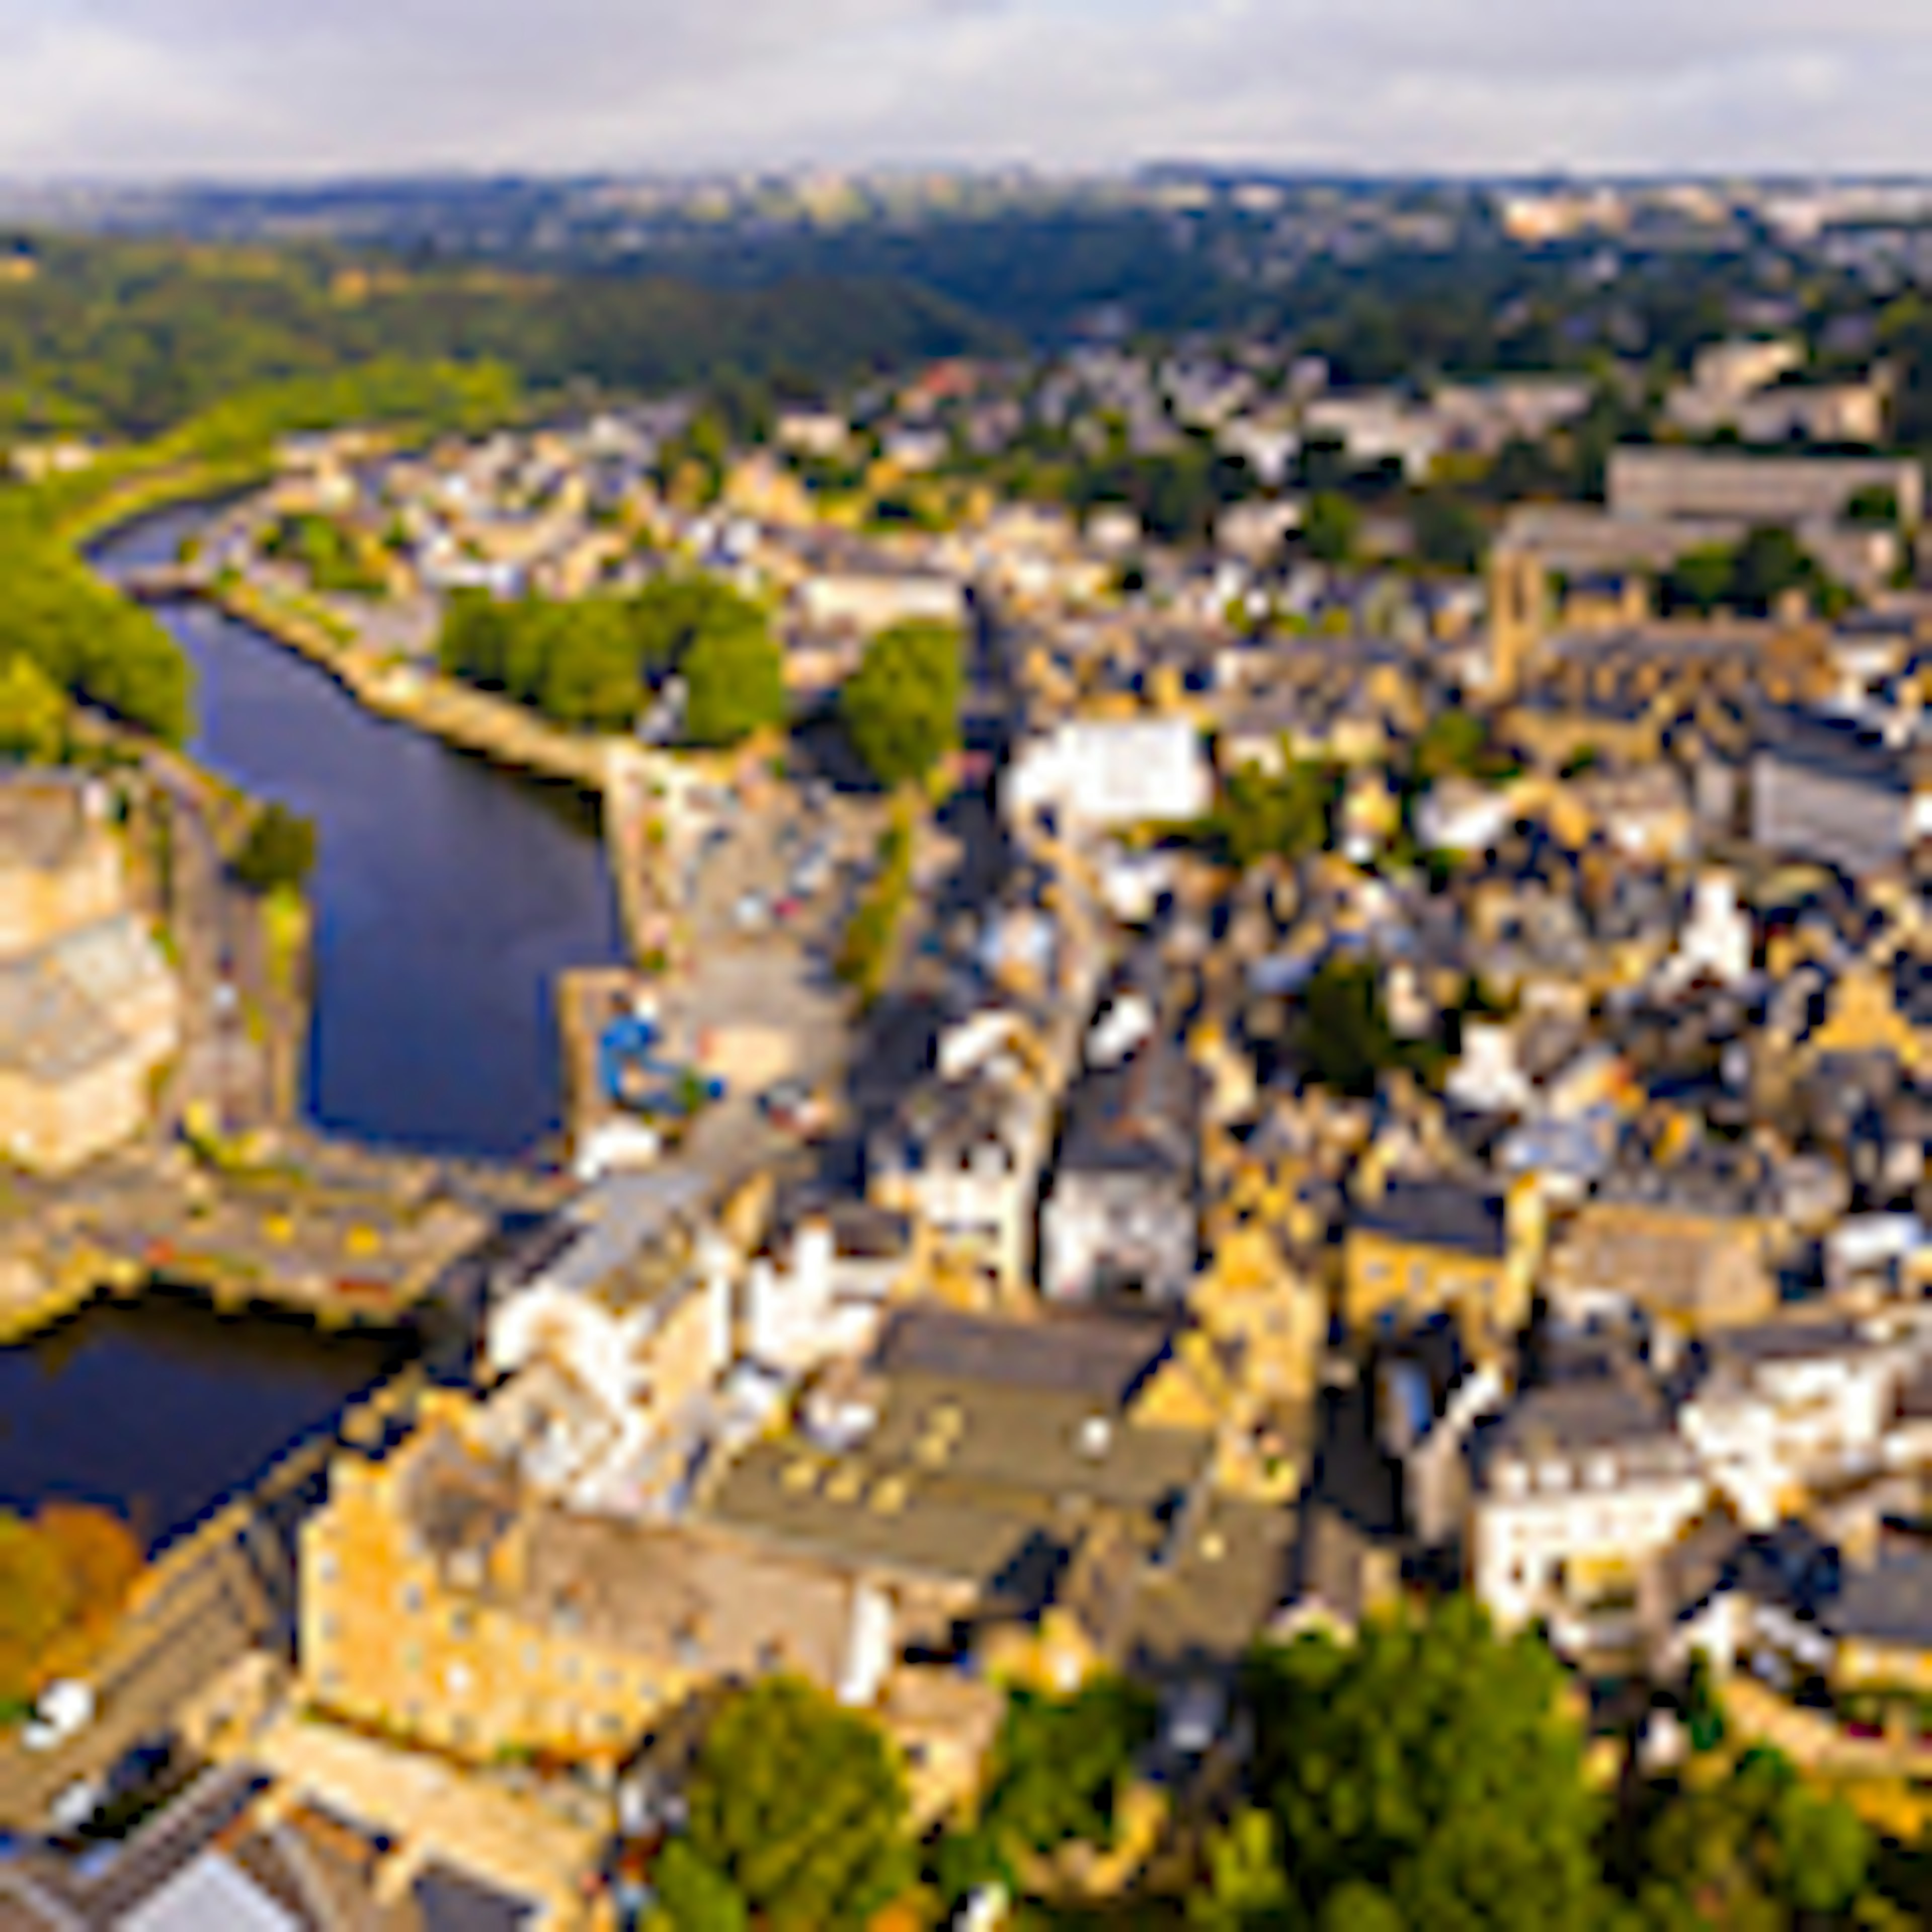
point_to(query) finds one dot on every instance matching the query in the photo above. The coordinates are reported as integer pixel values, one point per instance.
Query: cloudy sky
(300, 87)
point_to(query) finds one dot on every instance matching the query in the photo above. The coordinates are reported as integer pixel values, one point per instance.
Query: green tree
(693, 1896)
(278, 853)
(1343, 1037)
(1060, 1764)
(1244, 1884)
(589, 679)
(799, 1808)
(1449, 534)
(1285, 813)
(1332, 527)
(1699, 580)
(1429, 1762)
(33, 714)
(734, 684)
(1452, 742)
(900, 708)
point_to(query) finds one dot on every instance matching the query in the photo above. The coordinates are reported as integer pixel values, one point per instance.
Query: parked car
(65, 1709)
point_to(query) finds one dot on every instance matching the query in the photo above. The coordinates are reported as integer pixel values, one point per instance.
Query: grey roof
(1836, 748)
(1136, 1118)
(1104, 1357)
(1889, 1604)
(1439, 1213)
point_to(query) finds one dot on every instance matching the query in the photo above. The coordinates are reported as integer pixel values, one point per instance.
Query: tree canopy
(901, 707)
(1426, 1776)
(797, 1818)
(734, 684)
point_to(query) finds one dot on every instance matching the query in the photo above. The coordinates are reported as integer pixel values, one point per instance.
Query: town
(1228, 1052)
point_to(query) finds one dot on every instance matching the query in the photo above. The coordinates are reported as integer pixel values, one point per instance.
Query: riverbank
(467, 719)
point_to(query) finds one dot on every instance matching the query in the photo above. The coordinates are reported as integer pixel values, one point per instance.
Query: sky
(285, 88)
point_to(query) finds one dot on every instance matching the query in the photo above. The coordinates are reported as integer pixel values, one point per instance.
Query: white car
(64, 1708)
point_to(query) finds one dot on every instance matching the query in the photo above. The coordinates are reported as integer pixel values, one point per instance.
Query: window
(413, 1598)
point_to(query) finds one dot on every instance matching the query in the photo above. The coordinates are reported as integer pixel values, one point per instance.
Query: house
(89, 1009)
(869, 601)
(1580, 1486)
(1425, 1248)
(629, 1298)
(823, 1286)
(1784, 1409)
(1687, 1272)
(964, 1156)
(1120, 1216)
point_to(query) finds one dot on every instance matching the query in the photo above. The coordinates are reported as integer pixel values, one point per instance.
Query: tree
(1759, 1847)
(589, 678)
(734, 684)
(1332, 527)
(798, 1807)
(1449, 534)
(1452, 742)
(1344, 1038)
(900, 708)
(1426, 1768)
(1260, 814)
(278, 853)
(33, 714)
(1060, 1766)
(1768, 566)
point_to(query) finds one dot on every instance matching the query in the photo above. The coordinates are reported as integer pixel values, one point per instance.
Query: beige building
(88, 1008)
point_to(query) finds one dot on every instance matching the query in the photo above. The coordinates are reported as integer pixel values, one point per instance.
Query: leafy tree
(1344, 1037)
(734, 684)
(1425, 1778)
(278, 853)
(1244, 1882)
(588, 679)
(1876, 506)
(798, 1808)
(33, 714)
(1449, 534)
(1699, 580)
(1060, 1766)
(1287, 813)
(900, 708)
(1332, 528)
(1767, 565)
(693, 1896)
(1452, 742)
(1758, 1848)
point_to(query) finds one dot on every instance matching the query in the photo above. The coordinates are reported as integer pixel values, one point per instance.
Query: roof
(1838, 748)
(211, 1892)
(1889, 1604)
(1105, 1357)
(44, 819)
(1599, 1414)
(1438, 1214)
(1138, 1118)
(679, 1593)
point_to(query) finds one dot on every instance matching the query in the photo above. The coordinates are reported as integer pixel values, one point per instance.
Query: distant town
(1236, 1232)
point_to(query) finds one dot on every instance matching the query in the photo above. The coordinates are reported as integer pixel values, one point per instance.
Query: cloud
(177, 87)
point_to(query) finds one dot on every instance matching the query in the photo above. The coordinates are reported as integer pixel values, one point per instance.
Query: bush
(278, 853)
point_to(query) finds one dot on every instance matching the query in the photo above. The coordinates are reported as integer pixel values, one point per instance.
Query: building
(1579, 1488)
(1107, 774)
(1120, 1216)
(1824, 789)
(89, 1010)
(1427, 1248)
(1667, 484)
(442, 1600)
(869, 601)
(1686, 1273)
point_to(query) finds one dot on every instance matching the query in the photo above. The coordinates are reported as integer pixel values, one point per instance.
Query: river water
(448, 895)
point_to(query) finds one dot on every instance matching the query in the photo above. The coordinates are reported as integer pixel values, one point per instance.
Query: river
(447, 897)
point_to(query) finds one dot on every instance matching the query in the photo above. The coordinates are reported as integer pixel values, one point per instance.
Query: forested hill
(129, 338)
